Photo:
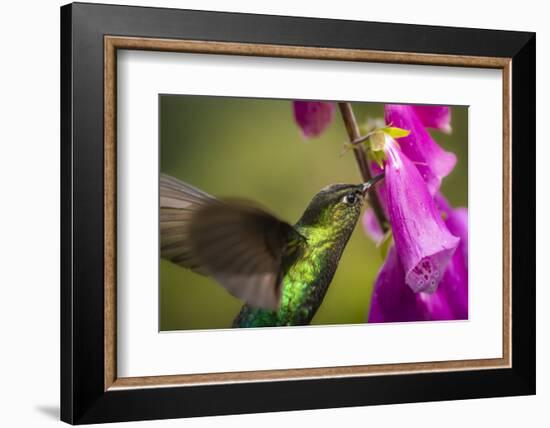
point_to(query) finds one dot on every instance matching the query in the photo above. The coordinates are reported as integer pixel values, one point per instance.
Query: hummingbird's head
(337, 207)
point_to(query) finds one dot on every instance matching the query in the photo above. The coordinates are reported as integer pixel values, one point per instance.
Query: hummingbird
(281, 271)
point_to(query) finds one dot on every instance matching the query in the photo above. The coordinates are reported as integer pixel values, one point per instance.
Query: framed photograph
(266, 213)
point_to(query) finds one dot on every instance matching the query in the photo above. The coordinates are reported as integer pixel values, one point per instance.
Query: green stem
(354, 136)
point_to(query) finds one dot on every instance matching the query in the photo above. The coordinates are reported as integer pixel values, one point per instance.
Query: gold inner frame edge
(113, 43)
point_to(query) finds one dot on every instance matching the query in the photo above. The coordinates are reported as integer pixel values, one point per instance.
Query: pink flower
(422, 241)
(313, 117)
(432, 161)
(393, 301)
(436, 117)
(454, 285)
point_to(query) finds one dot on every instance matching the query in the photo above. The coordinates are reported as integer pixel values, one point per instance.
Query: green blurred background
(252, 148)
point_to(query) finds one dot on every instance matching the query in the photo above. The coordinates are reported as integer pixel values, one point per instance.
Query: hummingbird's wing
(236, 242)
(178, 203)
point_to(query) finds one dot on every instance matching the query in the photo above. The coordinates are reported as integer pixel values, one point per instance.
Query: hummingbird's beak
(371, 183)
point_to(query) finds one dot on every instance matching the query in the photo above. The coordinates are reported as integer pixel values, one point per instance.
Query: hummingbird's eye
(350, 199)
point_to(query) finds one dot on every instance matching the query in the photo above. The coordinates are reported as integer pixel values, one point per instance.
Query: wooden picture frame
(91, 390)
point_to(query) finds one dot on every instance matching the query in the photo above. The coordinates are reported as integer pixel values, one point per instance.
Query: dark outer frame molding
(83, 397)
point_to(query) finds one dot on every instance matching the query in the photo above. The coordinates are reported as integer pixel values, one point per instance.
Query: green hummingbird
(281, 271)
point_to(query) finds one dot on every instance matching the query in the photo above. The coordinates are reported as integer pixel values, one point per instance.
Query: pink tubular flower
(423, 242)
(313, 117)
(436, 117)
(454, 285)
(393, 301)
(432, 161)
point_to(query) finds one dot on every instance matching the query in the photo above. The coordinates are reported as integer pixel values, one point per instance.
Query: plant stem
(354, 135)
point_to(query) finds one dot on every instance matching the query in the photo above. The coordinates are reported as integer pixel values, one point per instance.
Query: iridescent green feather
(306, 281)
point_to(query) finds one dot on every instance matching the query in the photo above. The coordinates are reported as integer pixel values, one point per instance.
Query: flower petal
(423, 242)
(436, 117)
(456, 220)
(393, 301)
(371, 226)
(313, 117)
(453, 288)
(432, 161)
(454, 284)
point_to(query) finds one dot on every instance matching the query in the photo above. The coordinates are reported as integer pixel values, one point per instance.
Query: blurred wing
(238, 243)
(178, 203)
